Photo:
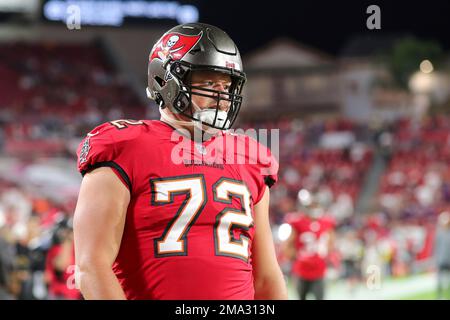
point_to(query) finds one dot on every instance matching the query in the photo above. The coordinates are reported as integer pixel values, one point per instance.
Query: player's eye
(209, 84)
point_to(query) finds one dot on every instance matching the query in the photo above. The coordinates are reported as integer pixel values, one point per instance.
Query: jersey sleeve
(106, 146)
(263, 166)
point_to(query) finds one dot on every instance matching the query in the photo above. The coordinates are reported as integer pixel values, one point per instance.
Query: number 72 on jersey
(173, 241)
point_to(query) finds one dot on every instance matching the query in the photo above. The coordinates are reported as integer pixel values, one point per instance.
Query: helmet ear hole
(160, 81)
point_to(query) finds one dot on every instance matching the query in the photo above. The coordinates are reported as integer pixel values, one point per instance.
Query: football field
(417, 287)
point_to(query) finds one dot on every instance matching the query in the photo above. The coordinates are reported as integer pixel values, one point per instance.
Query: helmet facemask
(211, 117)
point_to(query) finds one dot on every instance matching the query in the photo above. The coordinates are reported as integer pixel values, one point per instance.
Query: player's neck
(192, 132)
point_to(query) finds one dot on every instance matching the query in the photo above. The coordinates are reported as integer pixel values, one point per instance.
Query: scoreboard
(119, 12)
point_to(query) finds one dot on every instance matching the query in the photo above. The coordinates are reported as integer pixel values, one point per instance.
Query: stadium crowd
(50, 93)
(59, 93)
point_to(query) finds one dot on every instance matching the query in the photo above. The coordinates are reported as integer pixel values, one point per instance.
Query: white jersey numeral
(314, 244)
(122, 123)
(229, 218)
(174, 238)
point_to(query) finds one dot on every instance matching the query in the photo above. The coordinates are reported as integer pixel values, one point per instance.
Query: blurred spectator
(6, 266)
(60, 265)
(352, 253)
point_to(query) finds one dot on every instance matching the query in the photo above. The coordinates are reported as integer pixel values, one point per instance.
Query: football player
(165, 213)
(309, 243)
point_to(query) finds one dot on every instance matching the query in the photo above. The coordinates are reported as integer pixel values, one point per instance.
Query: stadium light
(304, 197)
(426, 66)
(284, 231)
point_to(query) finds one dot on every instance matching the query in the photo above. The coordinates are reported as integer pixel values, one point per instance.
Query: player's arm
(268, 278)
(98, 227)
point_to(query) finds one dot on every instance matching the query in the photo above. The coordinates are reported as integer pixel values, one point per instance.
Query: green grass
(431, 295)
(417, 287)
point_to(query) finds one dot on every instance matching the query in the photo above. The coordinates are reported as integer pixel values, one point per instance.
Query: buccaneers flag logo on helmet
(175, 45)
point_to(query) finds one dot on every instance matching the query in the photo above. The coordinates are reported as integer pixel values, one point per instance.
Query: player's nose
(223, 90)
(220, 86)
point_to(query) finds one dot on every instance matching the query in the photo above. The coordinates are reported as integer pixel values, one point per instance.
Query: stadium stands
(51, 95)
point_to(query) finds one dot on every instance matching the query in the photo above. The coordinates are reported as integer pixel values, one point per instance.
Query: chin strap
(168, 117)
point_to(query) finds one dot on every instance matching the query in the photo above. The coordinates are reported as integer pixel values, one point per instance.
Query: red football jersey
(311, 245)
(189, 225)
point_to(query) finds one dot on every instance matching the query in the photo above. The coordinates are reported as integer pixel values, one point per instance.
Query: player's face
(211, 81)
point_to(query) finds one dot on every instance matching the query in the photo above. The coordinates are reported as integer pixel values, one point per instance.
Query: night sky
(326, 25)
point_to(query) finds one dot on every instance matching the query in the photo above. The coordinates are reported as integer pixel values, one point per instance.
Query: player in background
(308, 245)
(156, 221)
(442, 255)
